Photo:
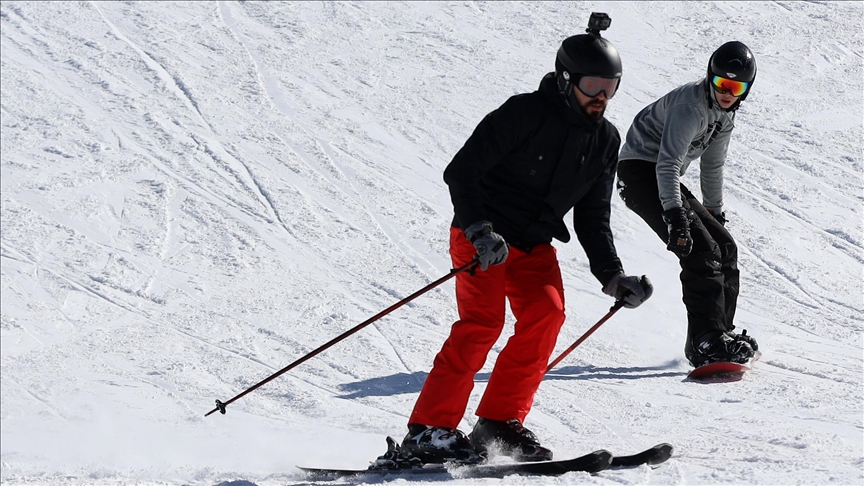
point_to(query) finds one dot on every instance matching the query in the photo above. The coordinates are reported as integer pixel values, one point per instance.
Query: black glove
(720, 217)
(631, 290)
(491, 247)
(680, 242)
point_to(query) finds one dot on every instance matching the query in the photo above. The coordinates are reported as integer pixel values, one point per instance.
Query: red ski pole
(618, 304)
(220, 406)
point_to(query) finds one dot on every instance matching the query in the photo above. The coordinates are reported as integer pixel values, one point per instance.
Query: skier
(692, 121)
(526, 165)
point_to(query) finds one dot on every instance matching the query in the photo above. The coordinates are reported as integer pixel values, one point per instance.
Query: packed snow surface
(196, 194)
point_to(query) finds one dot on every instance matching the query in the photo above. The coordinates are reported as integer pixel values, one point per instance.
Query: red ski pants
(532, 283)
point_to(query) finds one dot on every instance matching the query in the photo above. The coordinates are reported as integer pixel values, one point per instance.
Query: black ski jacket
(528, 163)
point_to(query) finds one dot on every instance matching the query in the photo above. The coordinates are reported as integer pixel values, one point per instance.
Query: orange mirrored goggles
(592, 86)
(725, 85)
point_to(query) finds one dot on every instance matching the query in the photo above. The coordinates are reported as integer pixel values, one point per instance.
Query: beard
(594, 109)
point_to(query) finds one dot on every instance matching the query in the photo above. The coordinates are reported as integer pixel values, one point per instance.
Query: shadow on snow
(401, 383)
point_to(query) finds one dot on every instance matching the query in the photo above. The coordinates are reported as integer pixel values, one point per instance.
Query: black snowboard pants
(709, 275)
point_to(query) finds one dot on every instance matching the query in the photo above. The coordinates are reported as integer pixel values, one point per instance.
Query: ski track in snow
(195, 195)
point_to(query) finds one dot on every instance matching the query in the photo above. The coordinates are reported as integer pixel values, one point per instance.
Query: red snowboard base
(721, 372)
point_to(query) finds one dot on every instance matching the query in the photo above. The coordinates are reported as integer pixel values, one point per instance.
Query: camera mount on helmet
(597, 22)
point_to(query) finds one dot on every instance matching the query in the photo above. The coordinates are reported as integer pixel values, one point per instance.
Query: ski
(593, 462)
(722, 371)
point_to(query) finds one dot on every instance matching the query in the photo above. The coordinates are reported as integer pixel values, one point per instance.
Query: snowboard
(593, 462)
(722, 371)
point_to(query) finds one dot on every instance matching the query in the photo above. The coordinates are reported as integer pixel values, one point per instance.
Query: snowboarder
(694, 121)
(526, 165)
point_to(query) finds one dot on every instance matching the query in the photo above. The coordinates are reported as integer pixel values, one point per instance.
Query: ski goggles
(725, 85)
(592, 86)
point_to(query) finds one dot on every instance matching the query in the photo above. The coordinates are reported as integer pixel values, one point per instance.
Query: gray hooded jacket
(677, 129)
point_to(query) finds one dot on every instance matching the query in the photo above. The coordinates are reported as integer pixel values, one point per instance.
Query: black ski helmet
(586, 55)
(732, 60)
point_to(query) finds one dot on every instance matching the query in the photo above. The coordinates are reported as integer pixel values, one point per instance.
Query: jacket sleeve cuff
(607, 274)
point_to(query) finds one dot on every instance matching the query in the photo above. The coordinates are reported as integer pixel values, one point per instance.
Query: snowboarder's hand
(491, 247)
(680, 242)
(630, 290)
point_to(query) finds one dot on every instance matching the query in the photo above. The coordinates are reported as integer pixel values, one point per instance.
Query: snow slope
(196, 194)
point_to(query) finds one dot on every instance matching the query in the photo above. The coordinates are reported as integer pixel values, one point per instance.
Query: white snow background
(195, 195)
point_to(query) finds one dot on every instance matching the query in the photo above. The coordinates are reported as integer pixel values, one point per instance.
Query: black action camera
(598, 21)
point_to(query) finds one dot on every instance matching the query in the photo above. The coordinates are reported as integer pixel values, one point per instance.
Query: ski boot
(509, 438)
(438, 445)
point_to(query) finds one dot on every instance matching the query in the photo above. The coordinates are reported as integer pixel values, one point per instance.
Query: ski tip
(663, 453)
(653, 456)
(604, 461)
(602, 453)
